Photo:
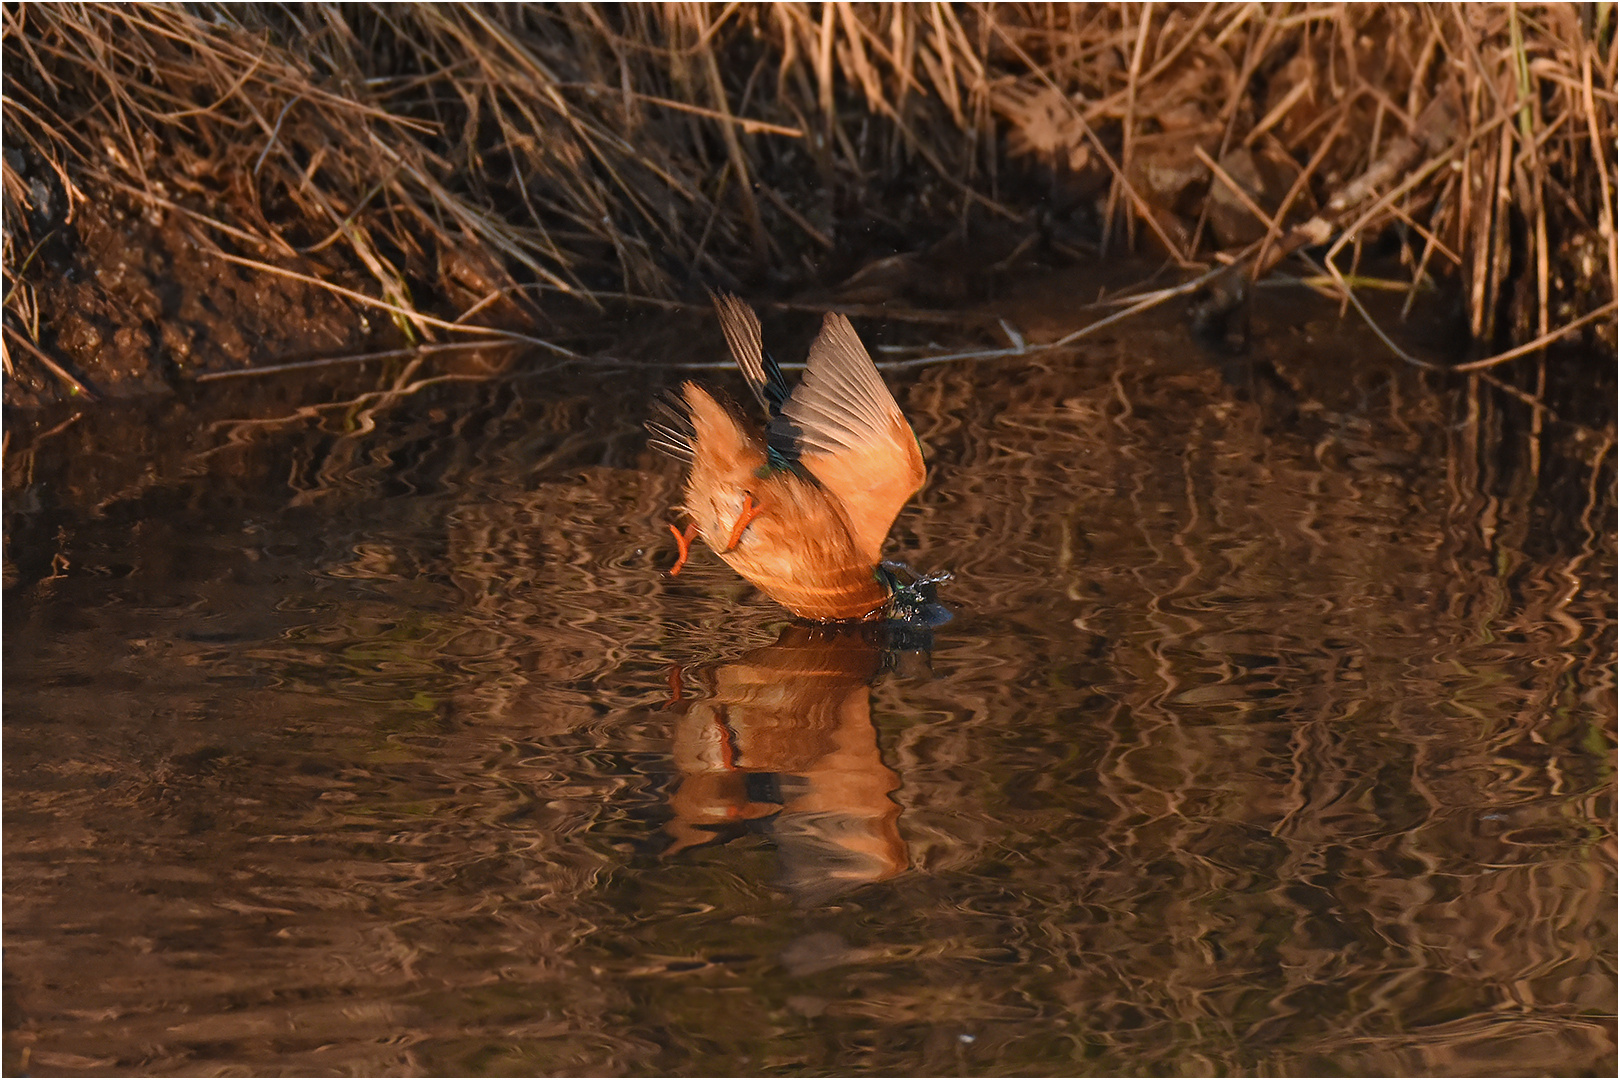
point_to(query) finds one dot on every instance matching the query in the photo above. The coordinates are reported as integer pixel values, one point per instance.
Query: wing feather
(741, 327)
(764, 376)
(852, 436)
(671, 427)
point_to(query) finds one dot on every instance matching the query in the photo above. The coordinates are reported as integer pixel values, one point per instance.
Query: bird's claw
(683, 540)
(750, 511)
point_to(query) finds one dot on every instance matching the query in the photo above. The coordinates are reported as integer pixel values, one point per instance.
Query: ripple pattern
(1265, 741)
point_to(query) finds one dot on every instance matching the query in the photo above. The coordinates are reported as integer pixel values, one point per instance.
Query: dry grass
(489, 153)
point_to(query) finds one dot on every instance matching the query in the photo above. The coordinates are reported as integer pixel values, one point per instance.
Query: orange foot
(684, 541)
(750, 511)
(677, 692)
(728, 750)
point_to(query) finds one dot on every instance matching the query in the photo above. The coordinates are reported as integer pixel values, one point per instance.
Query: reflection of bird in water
(804, 513)
(784, 744)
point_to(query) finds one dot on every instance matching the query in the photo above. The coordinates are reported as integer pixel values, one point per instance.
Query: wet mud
(142, 303)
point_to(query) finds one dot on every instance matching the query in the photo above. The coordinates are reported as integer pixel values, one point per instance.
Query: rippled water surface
(1273, 735)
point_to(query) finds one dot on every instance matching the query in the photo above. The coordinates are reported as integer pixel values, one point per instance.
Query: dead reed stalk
(452, 160)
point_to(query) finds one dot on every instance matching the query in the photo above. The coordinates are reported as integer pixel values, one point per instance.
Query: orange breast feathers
(802, 512)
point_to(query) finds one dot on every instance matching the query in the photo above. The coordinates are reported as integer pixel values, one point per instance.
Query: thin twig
(1349, 295)
(752, 127)
(357, 358)
(1539, 343)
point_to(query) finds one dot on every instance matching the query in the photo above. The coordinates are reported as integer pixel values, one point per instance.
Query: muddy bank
(140, 304)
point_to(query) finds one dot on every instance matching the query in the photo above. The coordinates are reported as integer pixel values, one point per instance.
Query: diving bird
(802, 512)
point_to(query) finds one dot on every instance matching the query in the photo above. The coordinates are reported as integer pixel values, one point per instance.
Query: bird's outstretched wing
(741, 327)
(851, 435)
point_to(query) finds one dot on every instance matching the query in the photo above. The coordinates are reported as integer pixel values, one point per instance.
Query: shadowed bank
(197, 191)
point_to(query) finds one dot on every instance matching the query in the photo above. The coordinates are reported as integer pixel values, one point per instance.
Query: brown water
(1273, 735)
